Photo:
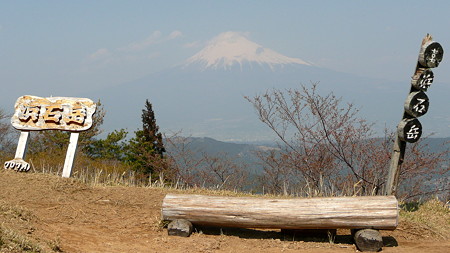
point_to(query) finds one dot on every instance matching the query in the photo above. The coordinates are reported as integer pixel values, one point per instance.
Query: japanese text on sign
(54, 113)
(424, 80)
(413, 133)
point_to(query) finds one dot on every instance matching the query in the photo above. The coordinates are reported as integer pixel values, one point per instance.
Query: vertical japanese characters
(410, 129)
(417, 102)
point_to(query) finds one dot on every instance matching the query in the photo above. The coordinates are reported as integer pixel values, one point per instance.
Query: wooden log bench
(371, 213)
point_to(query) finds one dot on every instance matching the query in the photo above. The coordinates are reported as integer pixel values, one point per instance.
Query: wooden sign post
(410, 129)
(54, 113)
(18, 162)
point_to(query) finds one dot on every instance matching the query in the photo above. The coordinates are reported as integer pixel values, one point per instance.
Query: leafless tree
(326, 143)
(196, 168)
(425, 173)
(223, 172)
(278, 177)
(184, 161)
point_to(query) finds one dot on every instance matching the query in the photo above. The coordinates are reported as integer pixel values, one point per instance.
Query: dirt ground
(66, 215)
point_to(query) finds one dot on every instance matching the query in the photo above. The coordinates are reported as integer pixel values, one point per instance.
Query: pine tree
(146, 150)
(151, 130)
(113, 147)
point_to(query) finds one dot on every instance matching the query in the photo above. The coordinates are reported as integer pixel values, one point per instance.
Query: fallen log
(375, 212)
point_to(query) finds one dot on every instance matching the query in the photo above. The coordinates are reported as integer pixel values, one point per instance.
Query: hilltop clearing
(46, 213)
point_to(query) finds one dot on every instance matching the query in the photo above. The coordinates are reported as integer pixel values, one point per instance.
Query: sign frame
(34, 113)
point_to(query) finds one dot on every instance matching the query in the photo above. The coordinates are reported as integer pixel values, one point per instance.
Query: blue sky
(61, 47)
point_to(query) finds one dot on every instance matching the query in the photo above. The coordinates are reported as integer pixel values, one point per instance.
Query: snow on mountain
(231, 48)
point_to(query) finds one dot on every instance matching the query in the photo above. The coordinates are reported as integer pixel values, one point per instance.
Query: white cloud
(193, 44)
(143, 44)
(133, 52)
(99, 54)
(155, 38)
(174, 35)
(214, 119)
(153, 55)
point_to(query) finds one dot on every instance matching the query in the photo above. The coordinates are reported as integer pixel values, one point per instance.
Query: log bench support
(180, 227)
(363, 215)
(367, 239)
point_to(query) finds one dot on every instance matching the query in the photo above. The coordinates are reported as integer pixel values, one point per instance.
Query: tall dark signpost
(409, 129)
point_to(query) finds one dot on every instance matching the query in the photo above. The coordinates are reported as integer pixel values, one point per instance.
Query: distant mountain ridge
(246, 152)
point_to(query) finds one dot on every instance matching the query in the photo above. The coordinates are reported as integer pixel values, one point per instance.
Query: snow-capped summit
(233, 48)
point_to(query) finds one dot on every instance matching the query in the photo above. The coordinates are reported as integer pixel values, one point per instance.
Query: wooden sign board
(422, 79)
(417, 104)
(409, 130)
(53, 113)
(431, 54)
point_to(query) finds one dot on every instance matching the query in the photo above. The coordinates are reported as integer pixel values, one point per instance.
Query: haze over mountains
(204, 96)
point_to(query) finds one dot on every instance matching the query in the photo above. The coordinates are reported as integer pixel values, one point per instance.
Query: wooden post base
(368, 239)
(180, 227)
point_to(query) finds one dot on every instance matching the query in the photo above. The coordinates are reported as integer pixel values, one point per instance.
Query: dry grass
(13, 236)
(14, 212)
(13, 241)
(432, 216)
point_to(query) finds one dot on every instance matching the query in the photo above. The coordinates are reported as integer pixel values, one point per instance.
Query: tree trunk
(377, 212)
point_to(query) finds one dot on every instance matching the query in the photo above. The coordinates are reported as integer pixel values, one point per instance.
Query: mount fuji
(204, 96)
(231, 49)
